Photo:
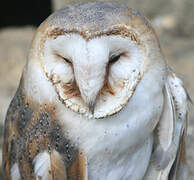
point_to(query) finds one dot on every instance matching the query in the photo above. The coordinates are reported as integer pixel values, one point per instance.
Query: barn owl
(96, 101)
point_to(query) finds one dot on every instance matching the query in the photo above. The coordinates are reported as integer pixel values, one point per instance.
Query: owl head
(91, 57)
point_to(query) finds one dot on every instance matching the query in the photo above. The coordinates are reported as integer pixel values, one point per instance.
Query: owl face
(95, 77)
(93, 63)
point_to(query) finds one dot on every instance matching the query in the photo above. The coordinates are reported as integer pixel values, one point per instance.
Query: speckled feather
(32, 128)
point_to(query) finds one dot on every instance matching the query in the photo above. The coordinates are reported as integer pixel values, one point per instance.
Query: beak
(90, 79)
(92, 106)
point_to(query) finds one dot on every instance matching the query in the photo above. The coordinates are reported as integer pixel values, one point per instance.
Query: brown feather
(78, 169)
(58, 169)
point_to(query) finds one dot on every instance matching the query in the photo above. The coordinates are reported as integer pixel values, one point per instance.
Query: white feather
(42, 166)
(15, 174)
(36, 84)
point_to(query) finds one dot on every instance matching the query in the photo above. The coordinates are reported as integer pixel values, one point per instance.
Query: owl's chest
(115, 151)
(115, 146)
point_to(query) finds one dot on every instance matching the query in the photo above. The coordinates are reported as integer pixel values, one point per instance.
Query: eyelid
(65, 59)
(114, 58)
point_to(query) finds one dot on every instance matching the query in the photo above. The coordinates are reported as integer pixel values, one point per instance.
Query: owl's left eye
(114, 59)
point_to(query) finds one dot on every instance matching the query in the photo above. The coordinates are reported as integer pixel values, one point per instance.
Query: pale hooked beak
(90, 101)
(90, 78)
(90, 83)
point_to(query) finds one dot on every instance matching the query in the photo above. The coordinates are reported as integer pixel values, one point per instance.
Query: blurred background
(173, 21)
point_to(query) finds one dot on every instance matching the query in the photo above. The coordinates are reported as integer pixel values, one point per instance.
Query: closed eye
(65, 59)
(114, 59)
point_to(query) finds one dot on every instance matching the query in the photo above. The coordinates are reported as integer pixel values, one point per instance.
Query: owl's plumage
(96, 101)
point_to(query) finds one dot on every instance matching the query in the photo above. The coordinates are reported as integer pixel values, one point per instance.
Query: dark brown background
(173, 21)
